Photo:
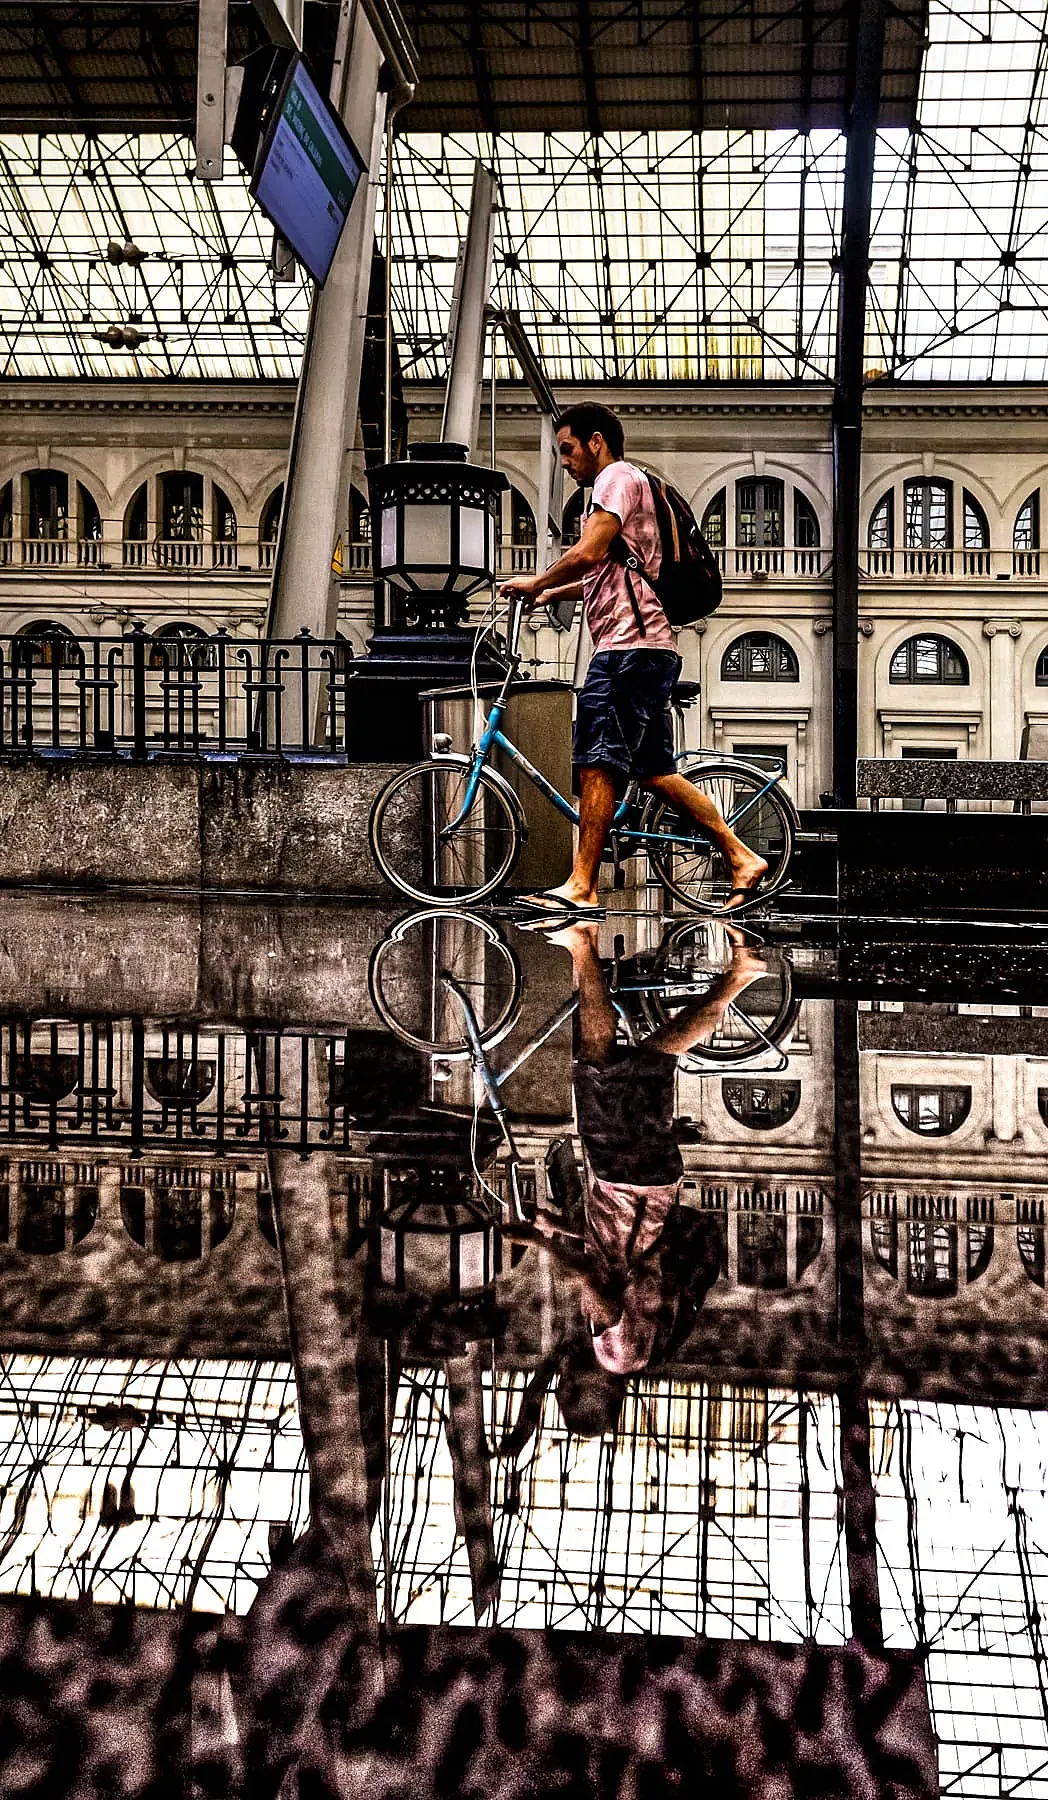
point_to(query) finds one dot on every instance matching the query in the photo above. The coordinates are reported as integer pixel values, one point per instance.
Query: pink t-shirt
(623, 489)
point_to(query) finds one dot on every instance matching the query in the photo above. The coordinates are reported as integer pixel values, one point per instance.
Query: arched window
(224, 518)
(759, 656)
(517, 555)
(181, 646)
(269, 528)
(806, 536)
(1026, 536)
(45, 644)
(714, 521)
(7, 521)
(976, 537)
(882, 536)
(928, 527)
(929, 659)
(759, 512)
(571, 519)
(931, 1111)
(761, 1105)
(136, 529)
(181, 506)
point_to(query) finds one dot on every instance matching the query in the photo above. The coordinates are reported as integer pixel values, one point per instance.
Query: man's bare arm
(593, 545)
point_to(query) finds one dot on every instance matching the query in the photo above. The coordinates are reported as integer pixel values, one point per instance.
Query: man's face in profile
(579, 460)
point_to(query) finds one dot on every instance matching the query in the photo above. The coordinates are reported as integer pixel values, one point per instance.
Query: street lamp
(435, 529)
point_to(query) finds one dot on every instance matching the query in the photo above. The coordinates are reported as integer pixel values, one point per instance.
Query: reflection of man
(624, 1105)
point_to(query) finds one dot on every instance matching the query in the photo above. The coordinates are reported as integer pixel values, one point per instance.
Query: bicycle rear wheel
(406, 981)
(413, 847)
(689, 964)
(689, 866)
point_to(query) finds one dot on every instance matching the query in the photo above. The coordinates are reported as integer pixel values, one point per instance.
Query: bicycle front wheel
(412, 841)
(689, 866)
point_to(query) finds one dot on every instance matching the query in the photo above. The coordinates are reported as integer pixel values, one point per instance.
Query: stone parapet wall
(260, 825)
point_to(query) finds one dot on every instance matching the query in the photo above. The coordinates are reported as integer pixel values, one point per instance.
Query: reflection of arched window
(930, 659)
(980, 1250)
(1029, 1236)
(57, 1207)
(759, 656)
(762, 1246)
(43, 1078)
(931, 1266)
(714, 521)
(884, 1231)
(172, 1214)
(45, 644)
(179, 1082)
(181, 646)
(931, 1111)
(761, 1105)
(1026, 536)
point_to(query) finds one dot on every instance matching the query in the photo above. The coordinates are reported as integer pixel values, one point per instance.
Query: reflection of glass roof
(631, 256)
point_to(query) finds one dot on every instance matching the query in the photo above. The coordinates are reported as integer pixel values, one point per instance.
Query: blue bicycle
(451, 828)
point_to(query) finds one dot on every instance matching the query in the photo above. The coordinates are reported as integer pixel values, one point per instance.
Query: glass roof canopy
(630, 257)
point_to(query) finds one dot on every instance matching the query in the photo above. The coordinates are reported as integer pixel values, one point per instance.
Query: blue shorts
(621, 721)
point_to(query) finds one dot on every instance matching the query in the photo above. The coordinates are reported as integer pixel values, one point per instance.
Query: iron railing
(139, 696)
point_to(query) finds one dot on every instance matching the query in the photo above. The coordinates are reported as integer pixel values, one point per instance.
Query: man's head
(589, 437)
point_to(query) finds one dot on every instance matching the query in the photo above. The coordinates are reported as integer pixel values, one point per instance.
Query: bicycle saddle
(685, 692)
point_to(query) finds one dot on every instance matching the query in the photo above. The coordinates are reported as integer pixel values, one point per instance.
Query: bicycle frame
(493, 737)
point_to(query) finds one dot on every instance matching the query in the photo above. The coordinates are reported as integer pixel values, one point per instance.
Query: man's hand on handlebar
(524, 588)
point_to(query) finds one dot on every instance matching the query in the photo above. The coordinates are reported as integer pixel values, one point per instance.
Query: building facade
(134, 501)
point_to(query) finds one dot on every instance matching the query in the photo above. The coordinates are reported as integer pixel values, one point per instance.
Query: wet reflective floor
(444, 1358)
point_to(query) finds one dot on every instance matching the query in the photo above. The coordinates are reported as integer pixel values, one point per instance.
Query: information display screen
(307, 171)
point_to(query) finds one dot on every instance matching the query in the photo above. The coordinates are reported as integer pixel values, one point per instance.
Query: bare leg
(597, 802)
(745, 867)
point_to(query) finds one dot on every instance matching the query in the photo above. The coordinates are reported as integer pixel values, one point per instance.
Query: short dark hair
(586, 419)
(590, 1401)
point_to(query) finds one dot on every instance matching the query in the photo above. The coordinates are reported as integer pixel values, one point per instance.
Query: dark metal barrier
(138, 696)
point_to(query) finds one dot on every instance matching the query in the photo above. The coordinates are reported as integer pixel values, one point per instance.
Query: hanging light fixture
(435, 527)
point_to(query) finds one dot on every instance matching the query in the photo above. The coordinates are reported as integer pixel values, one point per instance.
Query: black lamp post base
(383, 713)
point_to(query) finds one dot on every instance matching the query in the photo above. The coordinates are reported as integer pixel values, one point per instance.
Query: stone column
(1002, 733)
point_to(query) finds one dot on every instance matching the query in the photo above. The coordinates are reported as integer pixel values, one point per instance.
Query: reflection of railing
(135, 696)
(132, 1086)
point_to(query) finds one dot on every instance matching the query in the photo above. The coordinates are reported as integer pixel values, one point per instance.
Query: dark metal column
(866, 51)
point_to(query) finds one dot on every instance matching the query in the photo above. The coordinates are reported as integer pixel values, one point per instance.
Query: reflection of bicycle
(452, 828)
(429, 963)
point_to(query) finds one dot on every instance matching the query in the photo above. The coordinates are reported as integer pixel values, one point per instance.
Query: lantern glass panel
(472, 538)
(388, 548)
(427, 542)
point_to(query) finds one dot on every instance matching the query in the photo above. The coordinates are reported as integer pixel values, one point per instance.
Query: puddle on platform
(649, 1285)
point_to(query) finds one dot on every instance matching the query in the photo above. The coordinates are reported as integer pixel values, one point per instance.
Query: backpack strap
(620, 552)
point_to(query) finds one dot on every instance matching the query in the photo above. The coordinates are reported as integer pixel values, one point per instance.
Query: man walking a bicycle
(622, 729)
